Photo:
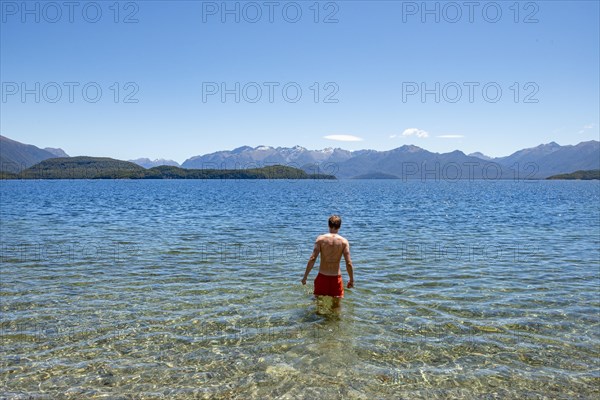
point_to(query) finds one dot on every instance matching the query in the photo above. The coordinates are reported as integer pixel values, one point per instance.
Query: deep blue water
(191, 289)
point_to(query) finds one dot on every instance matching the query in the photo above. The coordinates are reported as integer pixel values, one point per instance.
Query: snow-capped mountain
(245, 156)
(148, 163)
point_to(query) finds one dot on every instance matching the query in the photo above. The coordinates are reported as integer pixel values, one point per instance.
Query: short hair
(335, 221)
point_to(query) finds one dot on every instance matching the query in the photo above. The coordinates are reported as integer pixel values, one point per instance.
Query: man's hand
(350, 284)
(304, 281)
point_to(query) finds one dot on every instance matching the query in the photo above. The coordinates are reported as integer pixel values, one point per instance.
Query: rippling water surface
(191, 289)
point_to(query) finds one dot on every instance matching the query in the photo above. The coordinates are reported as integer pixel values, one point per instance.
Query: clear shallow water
(190, 289)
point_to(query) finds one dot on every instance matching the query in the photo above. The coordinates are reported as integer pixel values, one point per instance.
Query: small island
(110, 168)
(579, 175)
(376, 175)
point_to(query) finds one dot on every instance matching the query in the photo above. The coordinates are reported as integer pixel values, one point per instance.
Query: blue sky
(378, 67)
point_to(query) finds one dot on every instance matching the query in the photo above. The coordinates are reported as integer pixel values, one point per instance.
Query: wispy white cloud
(451, 136)
(587, 127)
(344, 138)
(423, 134)
(420, 133)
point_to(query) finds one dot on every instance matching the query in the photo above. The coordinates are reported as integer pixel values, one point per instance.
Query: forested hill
(109, 168)
(583, 175)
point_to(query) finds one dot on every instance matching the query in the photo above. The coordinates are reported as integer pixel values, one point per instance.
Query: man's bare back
(331, 247)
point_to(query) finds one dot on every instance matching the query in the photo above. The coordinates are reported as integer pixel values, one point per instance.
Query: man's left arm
(349, 267)
(311, 261)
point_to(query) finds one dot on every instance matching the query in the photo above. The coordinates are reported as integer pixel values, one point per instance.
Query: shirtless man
(331, 246)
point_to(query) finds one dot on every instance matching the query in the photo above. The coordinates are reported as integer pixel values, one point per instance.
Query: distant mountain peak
(544, 148)
(480, 155)
(551, 145)
(147, 163)
(241, 149)
(58, 152)
(410, 148)
(15, 156)
(296, 148)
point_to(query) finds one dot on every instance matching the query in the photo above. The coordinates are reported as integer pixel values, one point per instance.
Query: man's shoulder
(343, 239)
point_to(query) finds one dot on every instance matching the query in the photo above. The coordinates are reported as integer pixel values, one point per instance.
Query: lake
(191, 289)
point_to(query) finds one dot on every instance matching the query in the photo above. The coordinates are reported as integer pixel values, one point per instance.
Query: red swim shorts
(329, 285)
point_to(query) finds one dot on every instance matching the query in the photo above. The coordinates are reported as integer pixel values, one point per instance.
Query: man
(331, 246)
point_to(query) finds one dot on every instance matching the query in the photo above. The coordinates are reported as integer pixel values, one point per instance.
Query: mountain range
(412, 162)
(405, 162)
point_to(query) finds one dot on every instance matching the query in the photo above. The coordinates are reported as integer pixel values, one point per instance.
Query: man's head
(335, 221)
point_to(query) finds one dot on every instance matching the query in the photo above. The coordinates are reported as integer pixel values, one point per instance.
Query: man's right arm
(311, 260)
(349, 266)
